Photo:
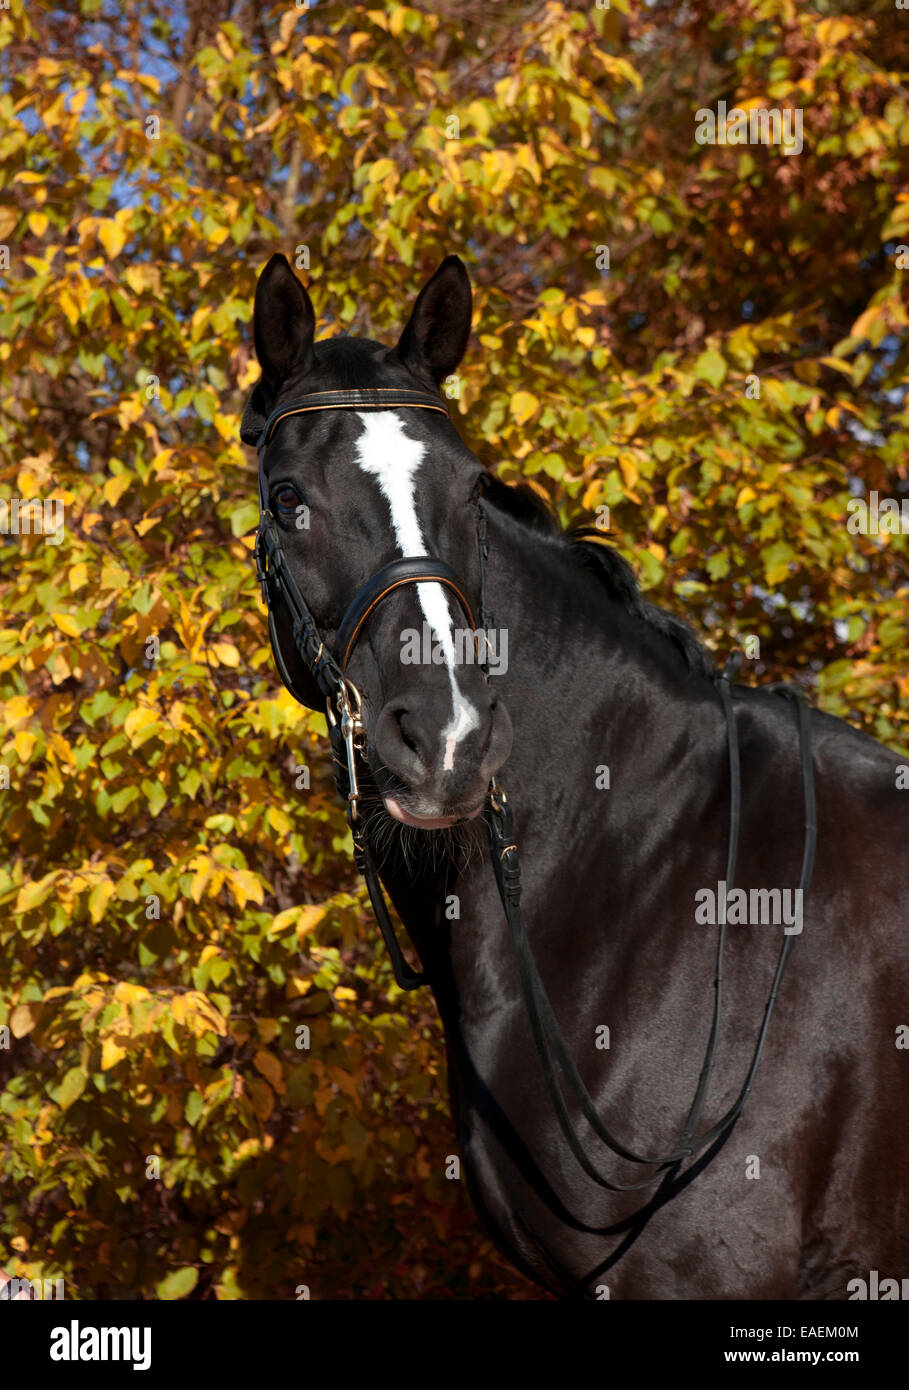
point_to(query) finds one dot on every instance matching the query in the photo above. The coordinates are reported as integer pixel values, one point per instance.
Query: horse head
(352, 487)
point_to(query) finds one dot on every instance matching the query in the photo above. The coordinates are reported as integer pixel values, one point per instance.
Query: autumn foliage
(209, 1084)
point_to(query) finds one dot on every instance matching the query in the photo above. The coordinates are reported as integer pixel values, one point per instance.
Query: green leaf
(193, 1107)
(177, 1285)
(71, 1087)
(244, 518)
(711, 367)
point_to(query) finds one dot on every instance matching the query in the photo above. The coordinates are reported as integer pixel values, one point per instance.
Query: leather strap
(545, 1030)
(361, 398)
(415, 569)
(406, 977)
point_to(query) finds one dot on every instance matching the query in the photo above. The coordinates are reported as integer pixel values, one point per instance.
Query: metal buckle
(349, 708)
(497, 797)
(261, 570)
(262, 556)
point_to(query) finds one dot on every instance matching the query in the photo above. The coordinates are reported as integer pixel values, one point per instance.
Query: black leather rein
(343, 706)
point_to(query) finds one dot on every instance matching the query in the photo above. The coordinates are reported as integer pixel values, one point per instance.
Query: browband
(359, 398)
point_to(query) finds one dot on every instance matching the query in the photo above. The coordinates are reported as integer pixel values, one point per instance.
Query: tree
(211, 1086)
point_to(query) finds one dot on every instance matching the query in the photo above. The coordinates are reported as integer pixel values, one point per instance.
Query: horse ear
(437, 331)
(284, 322)
(254, 415)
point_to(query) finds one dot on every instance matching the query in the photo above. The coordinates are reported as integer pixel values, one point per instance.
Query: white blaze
(390, 456)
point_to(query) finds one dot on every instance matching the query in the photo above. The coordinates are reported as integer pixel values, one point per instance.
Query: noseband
(347, 734)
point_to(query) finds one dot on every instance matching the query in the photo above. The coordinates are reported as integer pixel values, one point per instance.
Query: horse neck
(588, 684)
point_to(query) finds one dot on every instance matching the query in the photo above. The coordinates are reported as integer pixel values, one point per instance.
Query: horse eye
(287, 498)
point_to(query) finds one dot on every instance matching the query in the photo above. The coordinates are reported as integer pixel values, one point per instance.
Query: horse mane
(524, 505)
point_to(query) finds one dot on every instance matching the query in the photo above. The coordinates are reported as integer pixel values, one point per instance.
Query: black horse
(614, 741)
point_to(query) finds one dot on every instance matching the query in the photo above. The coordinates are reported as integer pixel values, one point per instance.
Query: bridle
(344, 709)
(342, 698)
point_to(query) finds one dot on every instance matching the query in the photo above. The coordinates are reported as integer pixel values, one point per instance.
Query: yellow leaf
(309, 918)
(111, 1053)
(357, 41)
(342, 992)
(523, 406)
(113, 232)
(129, 412)
(591, 494)
(23, 1019)
(202, 1016)
(115, 487)
(129, 993)
(381, 170)
(226, 653)
(78, 576)
(70, 306)
(838, 364)
(143, 277)
(8, 219)
(98, 899)
(830, 32)
(288, 21)
(54, 113)
(296, 986)
(34, 892)
(138, 719)
(38, 221)
(249, 376)
(17, 707)
(629, 469)
(24, 743)
(279, 820)
(283, 920)
(863, 324)
(200, 879)
(67, 623)
(246, 887)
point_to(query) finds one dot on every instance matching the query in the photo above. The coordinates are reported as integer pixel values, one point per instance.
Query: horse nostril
(406, 738)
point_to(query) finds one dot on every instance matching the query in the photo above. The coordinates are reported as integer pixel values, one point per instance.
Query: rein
(347, 734)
